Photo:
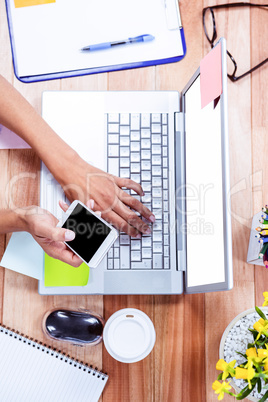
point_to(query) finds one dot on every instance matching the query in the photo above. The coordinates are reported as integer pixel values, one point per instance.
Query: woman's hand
(78, 179)
(41, 224)
(84, 181)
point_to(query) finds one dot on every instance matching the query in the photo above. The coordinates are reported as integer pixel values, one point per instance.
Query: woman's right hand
(85, 181)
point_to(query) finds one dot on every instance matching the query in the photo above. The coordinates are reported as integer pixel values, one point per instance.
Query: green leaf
(264, 398)
(246, 391)
(219, 377)
(241, 354)
(259, 384)
(241, 392)
(253, 331)
(245, 394)
(262, 342)
(261, 314)
(258, 368)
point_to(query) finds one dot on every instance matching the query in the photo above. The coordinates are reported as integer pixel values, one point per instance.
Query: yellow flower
(221, 388)
(252, 358)
(262, 353)
(261, 326)
(251, 352)
(265, 295)
(245, 374)
(227, 368)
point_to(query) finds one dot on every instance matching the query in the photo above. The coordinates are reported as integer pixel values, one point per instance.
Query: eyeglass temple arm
(232, 5)
(233, 78)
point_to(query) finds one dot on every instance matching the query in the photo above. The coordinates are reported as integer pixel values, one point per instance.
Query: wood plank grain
(182, 376)
(132, 80)
(3, 205)
(259, 130)
(85, 83)
(170, 321)
(221, 307)
(193, 369)
(134, 381)
(22, 191)
(129, 382)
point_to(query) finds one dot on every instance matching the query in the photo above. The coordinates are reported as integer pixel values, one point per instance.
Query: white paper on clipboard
(48, 38)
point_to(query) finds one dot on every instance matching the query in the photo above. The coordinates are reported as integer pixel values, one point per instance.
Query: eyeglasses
(210, 22)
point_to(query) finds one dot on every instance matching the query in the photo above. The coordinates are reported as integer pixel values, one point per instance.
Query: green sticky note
(58, 273)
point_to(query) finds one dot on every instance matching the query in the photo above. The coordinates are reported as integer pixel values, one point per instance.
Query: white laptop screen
(204, 190)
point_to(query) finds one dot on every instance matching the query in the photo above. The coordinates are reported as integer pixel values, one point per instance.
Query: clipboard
(46, 39)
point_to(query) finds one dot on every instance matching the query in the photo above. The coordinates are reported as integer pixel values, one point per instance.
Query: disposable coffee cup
(129, 335)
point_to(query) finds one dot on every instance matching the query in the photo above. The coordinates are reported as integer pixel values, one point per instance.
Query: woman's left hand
(42, 225)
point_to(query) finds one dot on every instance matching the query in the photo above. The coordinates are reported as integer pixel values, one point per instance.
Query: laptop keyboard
(138, 149)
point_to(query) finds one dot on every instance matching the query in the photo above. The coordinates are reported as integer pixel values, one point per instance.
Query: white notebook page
(48, 37)
(31, 372)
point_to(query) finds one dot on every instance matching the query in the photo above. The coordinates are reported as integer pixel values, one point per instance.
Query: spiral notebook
(31, 371)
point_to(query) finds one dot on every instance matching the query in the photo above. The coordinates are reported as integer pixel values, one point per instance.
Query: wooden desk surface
(182, 364)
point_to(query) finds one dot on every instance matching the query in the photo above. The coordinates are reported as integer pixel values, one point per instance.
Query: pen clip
(142, 38)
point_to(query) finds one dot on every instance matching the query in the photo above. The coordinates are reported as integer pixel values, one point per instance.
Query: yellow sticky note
(27, 3)
(57, 273)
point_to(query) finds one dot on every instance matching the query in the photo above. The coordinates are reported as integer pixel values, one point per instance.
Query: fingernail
(69, 235)
(147, 231)
(138, 236)
(91, 203)
(152, 218)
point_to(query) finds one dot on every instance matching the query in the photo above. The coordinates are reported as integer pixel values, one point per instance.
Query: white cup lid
(129, 335)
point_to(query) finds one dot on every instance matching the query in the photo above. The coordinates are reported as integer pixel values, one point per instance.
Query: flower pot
(235, 338)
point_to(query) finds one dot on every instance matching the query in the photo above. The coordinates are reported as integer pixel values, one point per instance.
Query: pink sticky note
(211, 76)
(10, 140)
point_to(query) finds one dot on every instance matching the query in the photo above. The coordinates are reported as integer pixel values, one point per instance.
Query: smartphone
(93, 235)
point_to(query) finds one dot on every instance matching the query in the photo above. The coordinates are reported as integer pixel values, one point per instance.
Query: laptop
(179, 153)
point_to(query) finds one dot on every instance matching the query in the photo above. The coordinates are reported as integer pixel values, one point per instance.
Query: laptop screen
(204, 191)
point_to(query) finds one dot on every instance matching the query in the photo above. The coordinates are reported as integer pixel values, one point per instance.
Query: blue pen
(108, 45)
(263, 240)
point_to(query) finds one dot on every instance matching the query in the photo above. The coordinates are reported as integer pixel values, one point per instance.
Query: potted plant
(248, 372)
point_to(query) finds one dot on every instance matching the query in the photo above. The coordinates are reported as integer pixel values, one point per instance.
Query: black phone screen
(90, 232)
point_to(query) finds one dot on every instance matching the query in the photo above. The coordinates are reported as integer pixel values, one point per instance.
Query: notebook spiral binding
(52, 351)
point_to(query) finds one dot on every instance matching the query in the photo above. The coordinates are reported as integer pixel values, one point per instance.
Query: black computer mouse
(78, 327)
